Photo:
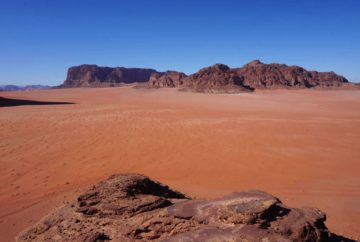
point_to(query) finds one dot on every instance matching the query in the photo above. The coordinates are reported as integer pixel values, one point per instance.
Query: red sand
(300, 145)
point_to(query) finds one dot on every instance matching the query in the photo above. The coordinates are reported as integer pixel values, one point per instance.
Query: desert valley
(180, 121)
(301, 145)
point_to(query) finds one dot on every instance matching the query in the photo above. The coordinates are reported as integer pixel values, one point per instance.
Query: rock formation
(216, 78)
(255, 75)
(11, 88)
(167, 79)
(259, 75)
(131, 207)
(93, 75)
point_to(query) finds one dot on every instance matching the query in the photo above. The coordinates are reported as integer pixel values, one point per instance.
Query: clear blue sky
(40, 39)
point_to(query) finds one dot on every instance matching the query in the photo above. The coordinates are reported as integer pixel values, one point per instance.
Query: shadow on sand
(8, 102)
(339, 238)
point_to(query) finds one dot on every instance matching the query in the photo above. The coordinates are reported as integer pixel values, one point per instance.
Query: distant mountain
(97, 76)
(167, 79)
(217, 78)
(259, 75)
(254, 75)
(7, 88)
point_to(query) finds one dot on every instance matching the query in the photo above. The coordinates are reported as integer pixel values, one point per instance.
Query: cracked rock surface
(132, 207)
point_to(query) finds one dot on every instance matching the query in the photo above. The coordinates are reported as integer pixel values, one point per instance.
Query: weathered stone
(131, 207)
(96, 76)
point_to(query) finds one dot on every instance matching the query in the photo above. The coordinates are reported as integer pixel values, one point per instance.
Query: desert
(302, 146)
(174, 121)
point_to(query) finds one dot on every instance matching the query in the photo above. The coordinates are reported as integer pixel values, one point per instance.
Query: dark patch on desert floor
(10, 102)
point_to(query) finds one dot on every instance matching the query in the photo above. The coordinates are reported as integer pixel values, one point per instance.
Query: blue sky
(40, 39)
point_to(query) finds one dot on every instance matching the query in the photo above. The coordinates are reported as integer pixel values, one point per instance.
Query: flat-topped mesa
(93, 76)
(259, 76)
(167, 79)
(132, 207)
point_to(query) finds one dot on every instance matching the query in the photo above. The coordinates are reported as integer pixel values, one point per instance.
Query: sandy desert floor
(300, 145)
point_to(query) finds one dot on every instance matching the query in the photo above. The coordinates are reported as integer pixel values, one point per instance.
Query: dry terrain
(300, 145)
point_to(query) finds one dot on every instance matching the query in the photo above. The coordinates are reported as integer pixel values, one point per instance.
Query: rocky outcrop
(217, 78)
(94, 76)
(131, 207)
(254, 75)
(259, 75)
(167, 79)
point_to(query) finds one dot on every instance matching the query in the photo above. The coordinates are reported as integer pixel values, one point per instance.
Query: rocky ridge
(11, 88)
(254, 75)
(167, 79)
(216, 78)
(131, 207)
(259, 75)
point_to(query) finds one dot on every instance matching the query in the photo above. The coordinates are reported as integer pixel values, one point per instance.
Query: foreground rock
(131, 207)
(96, 76)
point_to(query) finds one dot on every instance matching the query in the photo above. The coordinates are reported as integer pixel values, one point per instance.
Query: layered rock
(254, 75)
(167, 79)
(131, 207)
(216, 78)
(259, 75)
(93, 75)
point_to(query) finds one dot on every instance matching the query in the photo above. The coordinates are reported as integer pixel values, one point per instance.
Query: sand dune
(300, 145)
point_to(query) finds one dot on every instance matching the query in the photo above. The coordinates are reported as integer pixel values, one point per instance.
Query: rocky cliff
(216, 78)
(259, 75)
(93, 75)
(254, 75)
(167, 79)
(131, 207)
